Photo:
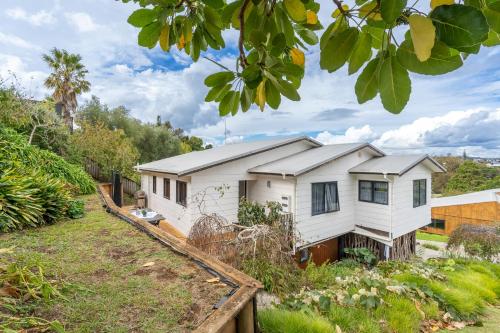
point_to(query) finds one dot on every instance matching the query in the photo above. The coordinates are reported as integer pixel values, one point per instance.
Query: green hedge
(14, 148)
(30, 199)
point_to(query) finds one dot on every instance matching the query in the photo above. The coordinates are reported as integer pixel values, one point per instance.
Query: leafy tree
(274, 34)
(36, 119)
(471, 176)
(67, 79)
(440, 179)
(111, 149)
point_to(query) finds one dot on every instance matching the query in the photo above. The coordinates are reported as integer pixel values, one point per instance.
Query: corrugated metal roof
(468, 198)
(395, 164)
(199, 160)
(310, 159)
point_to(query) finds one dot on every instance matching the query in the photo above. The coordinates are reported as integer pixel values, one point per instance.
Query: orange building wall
(476, 213)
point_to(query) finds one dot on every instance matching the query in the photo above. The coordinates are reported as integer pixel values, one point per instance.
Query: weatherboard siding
(177, 215)
(369, 214)
(405, 218)
(259, 191)
(229, 174)
(319, 227)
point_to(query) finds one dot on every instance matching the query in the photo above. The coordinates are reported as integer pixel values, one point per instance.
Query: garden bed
(112, 276)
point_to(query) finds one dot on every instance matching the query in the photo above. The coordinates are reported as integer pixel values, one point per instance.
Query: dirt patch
(104, 232)
(159, 272)
(117, 253)
(193, 315)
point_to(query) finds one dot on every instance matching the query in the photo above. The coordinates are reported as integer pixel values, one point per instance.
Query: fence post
(117, 188)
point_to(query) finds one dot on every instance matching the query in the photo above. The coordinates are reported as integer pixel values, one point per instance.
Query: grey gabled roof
(396, 165)
(308, 160)
(181, 165)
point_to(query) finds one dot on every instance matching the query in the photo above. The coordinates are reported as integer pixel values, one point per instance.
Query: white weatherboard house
(331, 190)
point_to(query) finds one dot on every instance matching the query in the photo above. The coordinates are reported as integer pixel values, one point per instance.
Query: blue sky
(446, 114)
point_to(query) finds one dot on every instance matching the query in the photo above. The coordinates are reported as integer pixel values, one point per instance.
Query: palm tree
(67, 79)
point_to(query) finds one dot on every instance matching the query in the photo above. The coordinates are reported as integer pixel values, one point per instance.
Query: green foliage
(400, 314)
(76, 209)
(250, 213)
(353, 319)
(18, 286)
(274, 34)
(30, 199)
(277, 321)
(152, 141)
(480, 241)
(440, 179)
(277, 279)
(323, 276)
(14, 149)
(111, 149)
(431, 246)
(362, 255)
(471, 176)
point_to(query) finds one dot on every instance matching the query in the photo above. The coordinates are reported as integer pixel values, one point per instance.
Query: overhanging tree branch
(241, 17)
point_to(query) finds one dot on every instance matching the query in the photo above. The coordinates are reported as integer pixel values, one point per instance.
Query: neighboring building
(472, 208)
(353, 190)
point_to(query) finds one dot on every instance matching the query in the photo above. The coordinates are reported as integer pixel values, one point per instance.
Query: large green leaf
(361, 53)
(366, 87)
(441, 60)
(219, 79)
(493, 39)
(459, 26)
(338, 49)
(273, 96)
(394, 85)
(493, 4)
(339, 25)
(217, 93)
(149, 35)
(308, 36)
(379, 36)
(493, 19)
(391, 9)
(246, 98)
(142, 17)
(229, 103)
(296, 10)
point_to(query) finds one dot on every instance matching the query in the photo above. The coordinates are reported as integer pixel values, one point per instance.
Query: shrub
(278, 321)
(323, 276)
(30, 199)
(481, 241)
(76, 209)
(251, 213)
(15, 149)
(362, 255)
(278, 279)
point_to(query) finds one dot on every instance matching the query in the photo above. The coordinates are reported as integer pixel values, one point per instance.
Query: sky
(446, 114)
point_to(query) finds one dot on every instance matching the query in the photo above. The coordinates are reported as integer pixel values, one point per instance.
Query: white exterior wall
(177, 215)
(319, 227)
(405, 218)
(370, 214)
(259, 192)
(229, 174)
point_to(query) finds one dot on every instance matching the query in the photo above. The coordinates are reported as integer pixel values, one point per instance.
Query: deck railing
(130, 186)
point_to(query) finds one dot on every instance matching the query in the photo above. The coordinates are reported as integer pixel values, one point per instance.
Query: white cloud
(413, 135)
(81, 21)
(12, 40)
(352, 134)
(39, 18)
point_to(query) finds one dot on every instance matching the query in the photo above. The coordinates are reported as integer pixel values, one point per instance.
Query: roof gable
(311, 159)
(185, 164)
(396, 165)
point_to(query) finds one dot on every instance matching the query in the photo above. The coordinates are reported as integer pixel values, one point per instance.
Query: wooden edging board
(246, 286)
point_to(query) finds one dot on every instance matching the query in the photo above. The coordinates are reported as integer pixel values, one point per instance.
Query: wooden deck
(164, 225)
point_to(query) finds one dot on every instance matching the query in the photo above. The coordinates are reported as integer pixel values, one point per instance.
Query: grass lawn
(491, 322)
(432, 237)
(99, 260)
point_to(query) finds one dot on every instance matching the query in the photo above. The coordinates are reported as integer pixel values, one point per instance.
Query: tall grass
(14, 148)
(279, 321)
(400, 314)
(353, 319)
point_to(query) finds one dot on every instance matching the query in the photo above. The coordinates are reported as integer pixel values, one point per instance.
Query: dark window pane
(423, 192)
(166, 188)
(318, 198)
(365, 191)
(331, 197)
(154, 184)
(438, 224)
(419, 192)
(181, 193)
(380, 192)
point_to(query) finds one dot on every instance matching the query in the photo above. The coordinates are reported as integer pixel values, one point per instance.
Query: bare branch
(241, 17)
